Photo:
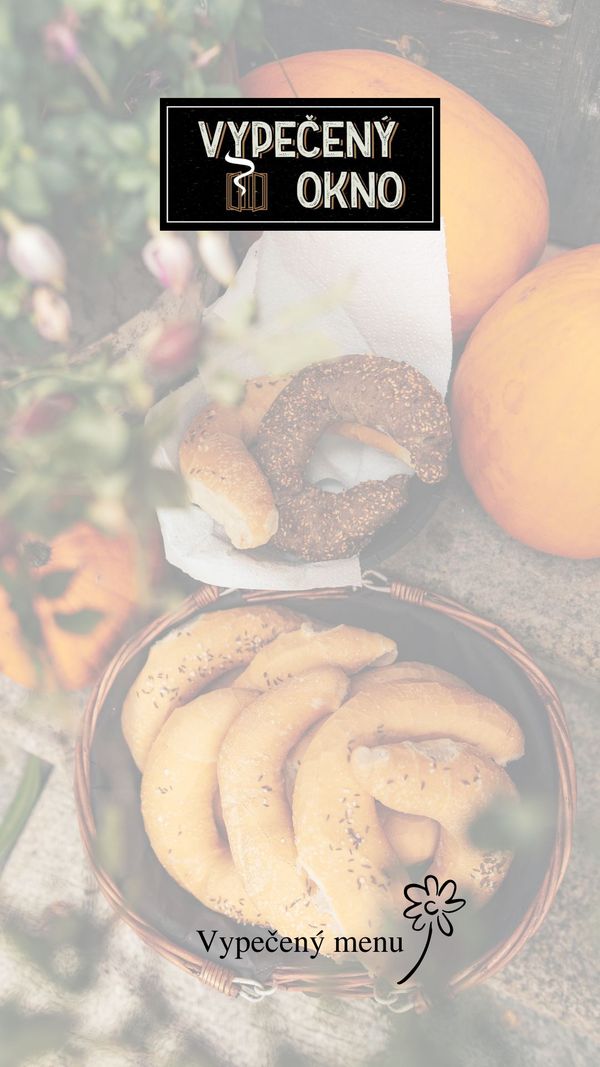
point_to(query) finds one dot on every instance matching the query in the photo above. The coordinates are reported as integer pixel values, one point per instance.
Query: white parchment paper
(395, 304)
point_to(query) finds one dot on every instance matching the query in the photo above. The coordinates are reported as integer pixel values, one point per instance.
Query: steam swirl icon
(239, 178)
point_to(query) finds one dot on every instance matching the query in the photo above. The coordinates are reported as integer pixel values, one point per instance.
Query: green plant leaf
(130, 179)
(127, 138)
(510, 824)
(126, 31)
(224, 15)
(27, 193)
(57, 176)
(32, 782)
(12, 296)
(79, 622)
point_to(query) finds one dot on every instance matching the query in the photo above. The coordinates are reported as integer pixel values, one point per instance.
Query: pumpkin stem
(36, 553)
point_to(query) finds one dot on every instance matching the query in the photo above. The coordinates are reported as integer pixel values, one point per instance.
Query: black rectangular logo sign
(278, 164)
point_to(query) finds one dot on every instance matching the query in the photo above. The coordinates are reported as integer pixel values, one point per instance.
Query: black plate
(421, 634)
(410, 520)
(406, 524)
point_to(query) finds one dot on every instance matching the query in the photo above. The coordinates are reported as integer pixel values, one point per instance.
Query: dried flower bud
(61, 42)
(172, 350)
(216, 254)
(109, 514)
(205, 56)
(51, 315)
(168, 257)
(36, 256)
(43, 415)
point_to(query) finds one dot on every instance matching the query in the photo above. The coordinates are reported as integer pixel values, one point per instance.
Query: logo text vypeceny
(275, 164)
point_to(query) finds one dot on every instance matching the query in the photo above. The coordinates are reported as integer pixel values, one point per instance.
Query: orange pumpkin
(84, 588)
(526, 407)
(494, 199)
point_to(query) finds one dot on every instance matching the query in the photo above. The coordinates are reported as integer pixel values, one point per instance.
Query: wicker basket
(551, 747)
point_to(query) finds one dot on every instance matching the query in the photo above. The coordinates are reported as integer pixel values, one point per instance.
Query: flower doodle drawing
(429, 907)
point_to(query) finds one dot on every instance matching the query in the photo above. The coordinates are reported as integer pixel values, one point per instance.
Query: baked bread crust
(289, 655)
(179, 785)
(341, 843)
(460, 783)
(222, 476)
(188, 659)
(254, 801)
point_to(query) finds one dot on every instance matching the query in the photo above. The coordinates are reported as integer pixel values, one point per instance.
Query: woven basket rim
(349, 983)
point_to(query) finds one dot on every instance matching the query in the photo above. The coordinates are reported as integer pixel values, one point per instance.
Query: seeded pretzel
(374, 392)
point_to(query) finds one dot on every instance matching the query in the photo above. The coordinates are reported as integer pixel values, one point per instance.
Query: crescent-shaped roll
(258, 397)
(224, 479)
(295, 757)
(188, 659)
(341, 843)
(179, 785)
(290, 655)
(413, 838)
(452, 783)
(221, 474)
(254, 800)
(406, 671)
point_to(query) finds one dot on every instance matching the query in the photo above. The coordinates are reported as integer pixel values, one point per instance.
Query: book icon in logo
(247, 191)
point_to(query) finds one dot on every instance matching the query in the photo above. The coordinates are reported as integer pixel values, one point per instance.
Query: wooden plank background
(546, 12)
(542, 78)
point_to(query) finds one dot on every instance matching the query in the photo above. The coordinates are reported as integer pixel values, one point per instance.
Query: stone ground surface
(137, 1010)
(549, 604)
